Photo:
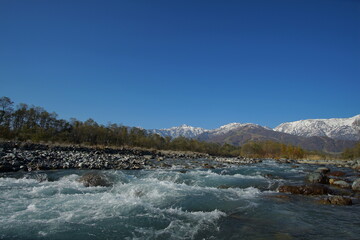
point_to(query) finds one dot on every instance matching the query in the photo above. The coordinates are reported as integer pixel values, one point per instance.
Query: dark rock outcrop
(317, 178)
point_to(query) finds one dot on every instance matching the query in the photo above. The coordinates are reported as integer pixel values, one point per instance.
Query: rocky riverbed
(28, 157)
(16, 156)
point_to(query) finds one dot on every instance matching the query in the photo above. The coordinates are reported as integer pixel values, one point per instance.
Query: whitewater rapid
(159, 204)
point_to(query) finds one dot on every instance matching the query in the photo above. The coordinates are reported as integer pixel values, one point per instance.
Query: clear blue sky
(158, 64)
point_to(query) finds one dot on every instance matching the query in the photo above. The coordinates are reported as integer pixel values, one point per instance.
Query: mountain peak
(180, 131)
(336, 128)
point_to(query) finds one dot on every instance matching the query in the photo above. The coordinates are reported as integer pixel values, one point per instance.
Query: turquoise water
(232, 203)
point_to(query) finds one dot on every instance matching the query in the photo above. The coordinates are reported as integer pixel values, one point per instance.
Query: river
(238, 202)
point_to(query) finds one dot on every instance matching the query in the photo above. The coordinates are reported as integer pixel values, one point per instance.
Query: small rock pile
(322, 182)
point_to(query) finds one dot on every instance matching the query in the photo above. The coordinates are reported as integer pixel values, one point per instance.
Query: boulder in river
(341, 183)
(94, 179)
(206, 165)
(317, 178)
(323, 170)
(356, 185)
(336, 200)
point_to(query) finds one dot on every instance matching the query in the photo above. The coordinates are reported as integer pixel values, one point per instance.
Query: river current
(239, 202)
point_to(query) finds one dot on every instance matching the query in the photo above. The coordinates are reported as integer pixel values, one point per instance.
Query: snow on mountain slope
(232, 126)
(336, 128)
(192, 132)
(183, 130)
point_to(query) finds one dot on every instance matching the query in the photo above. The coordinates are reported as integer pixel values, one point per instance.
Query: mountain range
(329, 135)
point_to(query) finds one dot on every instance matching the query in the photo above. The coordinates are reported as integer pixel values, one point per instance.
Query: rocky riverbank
(26, 156)
(16, 156)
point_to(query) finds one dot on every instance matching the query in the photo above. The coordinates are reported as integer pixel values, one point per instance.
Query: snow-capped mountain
(336, 128)
(192, 132)
(183, 131)
(329, 135)
(231, 127)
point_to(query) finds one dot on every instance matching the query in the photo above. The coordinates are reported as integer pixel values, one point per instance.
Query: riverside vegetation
(31, 123)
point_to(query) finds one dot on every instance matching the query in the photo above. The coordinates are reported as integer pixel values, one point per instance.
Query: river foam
(160, 204)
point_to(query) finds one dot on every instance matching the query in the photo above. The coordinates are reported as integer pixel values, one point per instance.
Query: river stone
(94, 179)
(356, 185)
(317, 178)
(165, 165)
(336, 200)
(305, 190)
(208, 166)
(323, 170)
(342, 184)
(357, 167)
(331, 180)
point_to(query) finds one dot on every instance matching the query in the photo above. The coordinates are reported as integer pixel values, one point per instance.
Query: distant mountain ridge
(336, 128)
(193, 132)
(181, 131)
(253, 132)
(329, 135)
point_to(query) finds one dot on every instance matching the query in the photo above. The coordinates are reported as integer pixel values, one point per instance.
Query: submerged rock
(208, 166)
(336, 200)
(279, 197)
(317, 178)
(94, 179)
(41, 177)
(270, 176)
(165, 165)
(305, 189)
